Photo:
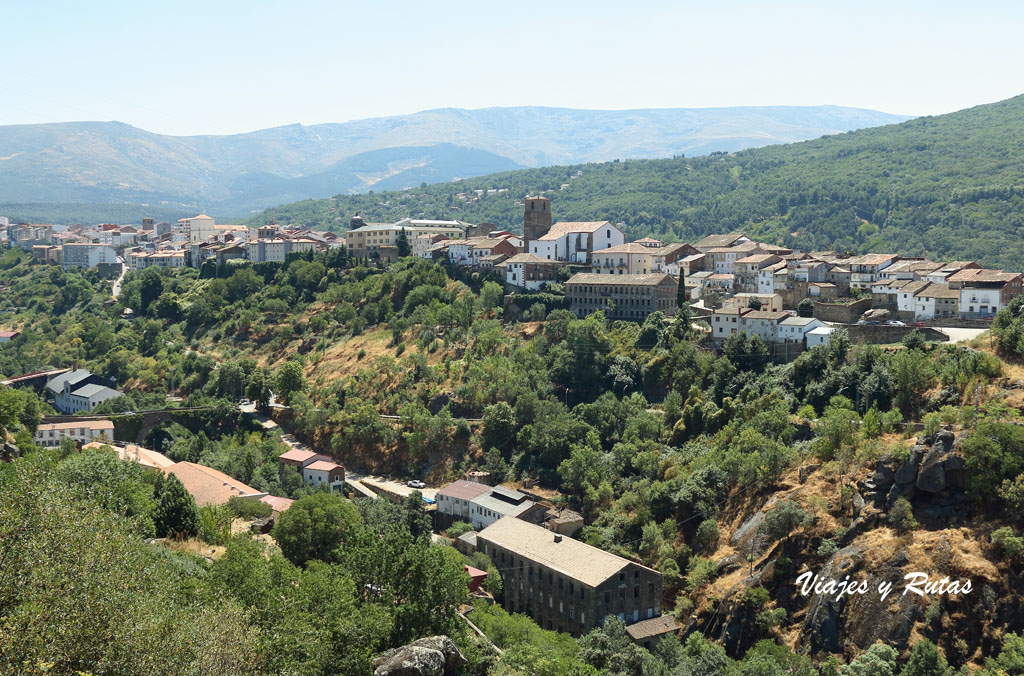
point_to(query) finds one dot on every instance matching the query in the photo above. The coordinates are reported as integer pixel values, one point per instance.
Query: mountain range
(949, 186)
(116, 163)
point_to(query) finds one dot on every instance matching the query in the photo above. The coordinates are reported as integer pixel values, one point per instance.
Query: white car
(414, 483)
(896, 323)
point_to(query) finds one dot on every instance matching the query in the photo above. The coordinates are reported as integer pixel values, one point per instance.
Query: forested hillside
(728, 474)
(950, 187)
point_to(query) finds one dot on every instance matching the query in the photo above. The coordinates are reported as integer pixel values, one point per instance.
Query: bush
(248, 509)
(458, 529)
(707, 534)
(782, 519)
(901, 516)
(701, 573)
(1007, 543)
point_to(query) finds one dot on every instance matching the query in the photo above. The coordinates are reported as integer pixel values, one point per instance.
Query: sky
(229, 66)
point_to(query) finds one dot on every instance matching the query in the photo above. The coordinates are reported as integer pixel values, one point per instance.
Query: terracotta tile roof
(530, 258)
(277, 504)
(871, 259)
(207, 485)
(939, 291)
(297, 455)
(97, 425)
(629, 248)
(323, 466)
(565, 227)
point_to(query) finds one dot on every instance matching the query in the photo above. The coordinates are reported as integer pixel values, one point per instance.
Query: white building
(48, 435)
(819, 336)
(198, 228)
(86, 255)
(795, 329)
(574, 242)
(324, 473)
(530, 272)
(454, 499)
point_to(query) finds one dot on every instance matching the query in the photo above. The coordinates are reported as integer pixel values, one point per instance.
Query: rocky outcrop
(431, 656)
(823, 624)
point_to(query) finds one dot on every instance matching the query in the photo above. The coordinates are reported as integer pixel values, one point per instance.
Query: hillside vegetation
(729, 474)
(949, 187)
(231, 175)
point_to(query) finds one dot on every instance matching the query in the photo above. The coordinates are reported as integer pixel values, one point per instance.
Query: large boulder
(430, 656)
(883, 476)
(942, 467)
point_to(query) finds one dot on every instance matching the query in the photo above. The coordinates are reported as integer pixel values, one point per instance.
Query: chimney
(558, 537)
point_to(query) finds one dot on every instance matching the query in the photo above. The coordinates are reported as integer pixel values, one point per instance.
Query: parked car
(895, 322)
(415, 483)
(918, 324)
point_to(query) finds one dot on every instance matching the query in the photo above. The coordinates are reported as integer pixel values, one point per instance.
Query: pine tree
(403, 244)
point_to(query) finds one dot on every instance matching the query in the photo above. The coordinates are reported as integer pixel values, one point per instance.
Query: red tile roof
(207, 485)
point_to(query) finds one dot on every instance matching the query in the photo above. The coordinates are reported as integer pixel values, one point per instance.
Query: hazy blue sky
(223, 66)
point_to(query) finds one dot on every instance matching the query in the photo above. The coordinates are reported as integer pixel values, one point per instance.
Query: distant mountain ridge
(95, 162)
(950, 187)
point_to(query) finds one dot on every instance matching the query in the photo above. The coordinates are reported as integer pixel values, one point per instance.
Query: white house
(819, 336)
(794, 329)
(454, 499)
(324, 473)
(935, 301)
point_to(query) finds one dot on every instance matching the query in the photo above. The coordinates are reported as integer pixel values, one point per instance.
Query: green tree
(258, 387)
(314, 527)
(289, 380)
(878, 660)
(176, 514)
(925, 660)
(402, 242)
(499, 428)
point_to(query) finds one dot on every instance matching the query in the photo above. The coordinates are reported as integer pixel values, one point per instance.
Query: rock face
(431, 656)
(824, 622)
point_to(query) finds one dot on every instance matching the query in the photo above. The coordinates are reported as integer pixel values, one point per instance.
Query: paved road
(116, 290)
(961, 335)
(396, 487)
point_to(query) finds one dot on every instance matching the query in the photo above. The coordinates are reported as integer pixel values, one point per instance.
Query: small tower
(536, 219)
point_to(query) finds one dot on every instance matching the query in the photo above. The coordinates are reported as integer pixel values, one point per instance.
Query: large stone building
(366, 238)
(564, 584)
(622, 296)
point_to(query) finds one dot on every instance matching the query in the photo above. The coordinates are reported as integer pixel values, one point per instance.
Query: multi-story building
(622, 296)
(530, 272)
(49, 435)
(469, 251)
(80, 390)
(366, 238)
(454, 500)
(866, 270)
(197, 228)
(574, 242)
(564, 584)
(632, 258)
(984, 292)
(498, 502)
(748, 268)
(936, 301)
(86, 255)
(773, 278)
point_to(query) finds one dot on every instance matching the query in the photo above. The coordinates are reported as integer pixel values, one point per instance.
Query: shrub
(701, 573)
(1007, 543)
(241, 508)
(901, 516)
(458, 529)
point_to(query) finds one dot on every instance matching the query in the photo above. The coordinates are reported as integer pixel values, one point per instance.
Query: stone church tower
(536, 220)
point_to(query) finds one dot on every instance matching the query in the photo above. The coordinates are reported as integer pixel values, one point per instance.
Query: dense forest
(726, 472)
(948, 187)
